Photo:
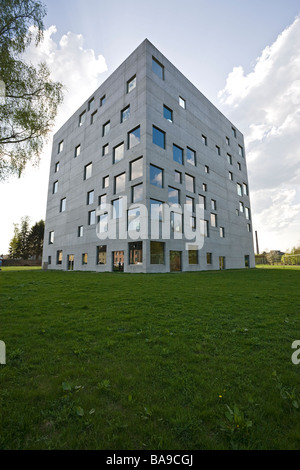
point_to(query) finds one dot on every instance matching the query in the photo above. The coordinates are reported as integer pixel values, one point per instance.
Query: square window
(134, 137)
(190, 183)
(159, 137)
(182, 102)
(105, 129)
(156, 176)
(131, 84)
(191, 156)
(125, 113)
(118, 154)
(173, 196)
(157, 68)
(177, 154)
(120, 182)
(92, 217)
(88, 171)
(136, 168)
(168, 114)
(137, 193)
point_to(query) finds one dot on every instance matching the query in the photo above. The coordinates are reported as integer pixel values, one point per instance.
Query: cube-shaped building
(148, 176)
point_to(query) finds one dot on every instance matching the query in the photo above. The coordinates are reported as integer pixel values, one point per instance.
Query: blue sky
(243, 56)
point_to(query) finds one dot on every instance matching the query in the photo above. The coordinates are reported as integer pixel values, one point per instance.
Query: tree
(36, 239)
(14, 246)
(31, 101)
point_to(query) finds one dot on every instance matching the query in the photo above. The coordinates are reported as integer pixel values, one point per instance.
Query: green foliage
(31, 101)
(27, 241)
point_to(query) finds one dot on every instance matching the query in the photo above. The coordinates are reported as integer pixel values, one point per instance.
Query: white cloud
(265, 105)
(80, 70)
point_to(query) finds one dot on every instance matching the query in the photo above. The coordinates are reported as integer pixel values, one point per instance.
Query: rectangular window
(117, 208)
(239, 189)
(101, 254)
(204, 226)
(241, 151)
(133, 220)
(55, 187)
(202, 201)
(105, 150)
(213, 220)
(56, 168)
(208, 258)
(191, 156)
(91, 104)
(229, 158)
(102, 226)
(90, 197)
(82, 118)
(239, 166)
(204, 187)
(156, 176)
(59, 255)
(247, 213)
(227, 141)
(105, 128)
(245, 189)
(135, 252)
(156, 210)
(136, 168)
(177, 154)
(230, 175)
(206, 169)
(182, 102)
(241, 206)
(49, 259)
(102, 201)
(120, 181)
(60, 146)
(118, 154)
(159, 137)
(190, 183)
(233, 132)
(157, 68)
(222, 232)
(213, 205)
(157, 253)
(62, 205)
(93, 116)
(137, 193)
(51, 238)
(189, 204)
(173, 196)
(134, 137)
(84, 258)
(77, 151)
(102, 100)
(177, 176)
(88, 171)
(176, 222)
(168, 114)
(80, 231)
(249, 228)
(204, 139)
(92, 218)
(105, 182)
(193, 256)
(125, 113)
(218, 150)
(131, 84)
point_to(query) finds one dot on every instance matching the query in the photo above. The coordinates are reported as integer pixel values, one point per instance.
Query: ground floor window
(59, 255)
(157, 253)
(101, 254)
(193, 256)
(136, 253)
(118, 260)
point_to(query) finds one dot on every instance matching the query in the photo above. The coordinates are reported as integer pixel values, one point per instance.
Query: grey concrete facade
(199, 130)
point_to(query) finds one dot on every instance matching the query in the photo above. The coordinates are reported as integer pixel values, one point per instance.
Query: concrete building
(148, 176)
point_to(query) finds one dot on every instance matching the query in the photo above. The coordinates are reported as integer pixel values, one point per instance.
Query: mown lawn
(174, 361)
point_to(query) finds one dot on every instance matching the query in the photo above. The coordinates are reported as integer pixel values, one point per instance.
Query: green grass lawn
(159, 362)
